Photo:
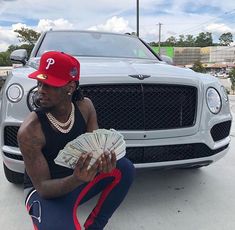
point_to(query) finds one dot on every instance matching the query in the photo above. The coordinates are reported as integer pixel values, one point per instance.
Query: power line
(206, 22)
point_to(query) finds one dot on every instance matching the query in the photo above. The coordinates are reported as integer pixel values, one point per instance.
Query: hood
(122, 68)
(117, 69)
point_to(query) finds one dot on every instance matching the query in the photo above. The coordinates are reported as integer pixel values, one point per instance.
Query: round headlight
(213, 100)
(32, 99)
(224, 93)
(14, 93)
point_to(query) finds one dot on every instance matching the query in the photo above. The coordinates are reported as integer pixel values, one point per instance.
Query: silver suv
(170, 116)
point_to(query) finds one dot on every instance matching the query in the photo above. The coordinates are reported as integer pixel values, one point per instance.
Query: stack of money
(96, 142)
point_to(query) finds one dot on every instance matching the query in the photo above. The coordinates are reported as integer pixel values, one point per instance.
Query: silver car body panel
(116, 71)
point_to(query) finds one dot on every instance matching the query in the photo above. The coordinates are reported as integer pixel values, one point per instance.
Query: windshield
(95, 44)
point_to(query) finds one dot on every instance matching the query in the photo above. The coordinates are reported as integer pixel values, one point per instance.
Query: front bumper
(198, 149)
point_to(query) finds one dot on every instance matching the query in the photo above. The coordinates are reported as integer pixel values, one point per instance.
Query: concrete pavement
(159, 200)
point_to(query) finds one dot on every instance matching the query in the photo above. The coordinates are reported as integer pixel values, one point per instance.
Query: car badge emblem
(42, 76)
(140, 76)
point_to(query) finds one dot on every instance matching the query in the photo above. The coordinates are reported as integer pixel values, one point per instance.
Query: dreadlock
(77, 94)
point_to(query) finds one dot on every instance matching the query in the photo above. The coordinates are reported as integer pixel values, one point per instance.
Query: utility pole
(159, 38)
(137, 18)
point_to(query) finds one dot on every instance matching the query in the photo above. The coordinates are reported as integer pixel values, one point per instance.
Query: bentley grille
(143, 106)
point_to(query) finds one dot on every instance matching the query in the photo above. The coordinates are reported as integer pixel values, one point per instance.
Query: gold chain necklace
(60, 125)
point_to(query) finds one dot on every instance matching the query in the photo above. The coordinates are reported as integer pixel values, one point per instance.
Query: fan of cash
(96, 142)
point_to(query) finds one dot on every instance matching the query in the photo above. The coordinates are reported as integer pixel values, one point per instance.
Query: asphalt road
(199, 199)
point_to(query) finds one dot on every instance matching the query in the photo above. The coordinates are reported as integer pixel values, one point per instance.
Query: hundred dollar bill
(96, 142)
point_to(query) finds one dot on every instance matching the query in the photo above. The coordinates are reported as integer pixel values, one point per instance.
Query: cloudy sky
(176, 16)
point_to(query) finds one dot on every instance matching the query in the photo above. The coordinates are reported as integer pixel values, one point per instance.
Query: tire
(13, 177)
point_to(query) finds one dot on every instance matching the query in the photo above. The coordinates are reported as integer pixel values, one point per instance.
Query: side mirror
(19, 55)
(167, 59)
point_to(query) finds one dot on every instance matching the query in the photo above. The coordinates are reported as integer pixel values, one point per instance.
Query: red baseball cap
(57, 69)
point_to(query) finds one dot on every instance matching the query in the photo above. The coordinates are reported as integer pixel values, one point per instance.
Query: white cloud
(18, 26)
(113, 15)
(218, 28)
(7, 37)
(46, 24)
(3, 46)
(114, 24)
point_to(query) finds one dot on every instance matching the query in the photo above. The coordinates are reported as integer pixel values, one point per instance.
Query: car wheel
(13, 177)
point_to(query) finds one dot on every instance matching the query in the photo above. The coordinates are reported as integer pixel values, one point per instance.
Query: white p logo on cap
(50, 61)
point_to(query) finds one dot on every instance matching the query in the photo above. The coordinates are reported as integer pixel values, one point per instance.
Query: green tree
(153, 44)
(190, 40)
(226, 39)
(181, 41)
(12, 48)
(204, 39)
(171, 41)
(5, 59)
(232, 78)
(28, 37)
(198, 67)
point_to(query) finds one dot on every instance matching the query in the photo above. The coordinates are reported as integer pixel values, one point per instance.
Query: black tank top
(55, 141)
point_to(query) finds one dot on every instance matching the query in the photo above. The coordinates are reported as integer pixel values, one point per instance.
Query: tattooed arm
(31, 141)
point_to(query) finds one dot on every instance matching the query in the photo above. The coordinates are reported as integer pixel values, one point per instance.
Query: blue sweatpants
(61, 213)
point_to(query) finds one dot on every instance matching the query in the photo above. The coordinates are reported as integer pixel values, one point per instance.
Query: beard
(45, 107)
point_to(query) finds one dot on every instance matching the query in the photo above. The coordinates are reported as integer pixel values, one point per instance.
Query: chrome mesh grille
(10, 136)
(221, 130)
(170, 153)
(143, 106)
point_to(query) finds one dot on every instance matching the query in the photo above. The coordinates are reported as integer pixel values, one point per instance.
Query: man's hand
(108, 162)
(105, 163)
(84, 173)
